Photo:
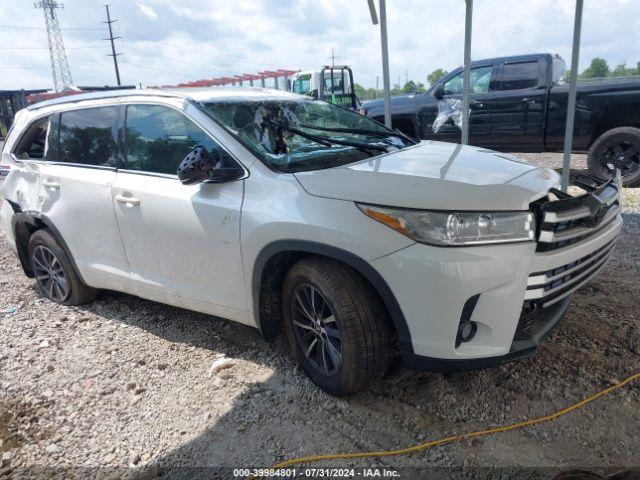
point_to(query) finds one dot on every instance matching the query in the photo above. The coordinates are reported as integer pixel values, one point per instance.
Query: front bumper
(530, 332)
(433, 286)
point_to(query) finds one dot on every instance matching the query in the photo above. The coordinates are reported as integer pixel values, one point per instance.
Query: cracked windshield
(299, 135)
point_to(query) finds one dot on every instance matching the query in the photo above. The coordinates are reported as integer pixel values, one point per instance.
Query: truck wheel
(336, 325)
(54, 273)
(618, 148)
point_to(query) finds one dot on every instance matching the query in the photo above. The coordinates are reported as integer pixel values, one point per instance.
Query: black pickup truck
(519, 104)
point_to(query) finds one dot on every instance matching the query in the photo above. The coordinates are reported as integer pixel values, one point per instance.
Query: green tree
(436, 75)
(598, 69)
(621, 70)
(409, 87)
(366, 93)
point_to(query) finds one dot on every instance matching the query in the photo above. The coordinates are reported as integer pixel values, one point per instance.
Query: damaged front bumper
(522, 290)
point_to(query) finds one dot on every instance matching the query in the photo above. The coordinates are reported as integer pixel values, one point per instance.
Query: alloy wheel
(620, 154)
(50, 274)
(316, 329)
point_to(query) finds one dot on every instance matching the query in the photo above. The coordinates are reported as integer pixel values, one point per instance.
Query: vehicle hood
(435, 175)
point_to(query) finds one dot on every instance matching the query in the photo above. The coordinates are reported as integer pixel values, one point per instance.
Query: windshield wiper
(362, 131)
(328, 141)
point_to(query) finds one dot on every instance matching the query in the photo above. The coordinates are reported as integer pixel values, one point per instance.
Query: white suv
(292, 213)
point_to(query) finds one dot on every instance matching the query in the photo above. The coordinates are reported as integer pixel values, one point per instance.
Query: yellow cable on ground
(454, 438)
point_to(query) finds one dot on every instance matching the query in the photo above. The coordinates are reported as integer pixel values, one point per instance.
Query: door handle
(477, 104)
(127, 201)
(51, 184)
(528, 100)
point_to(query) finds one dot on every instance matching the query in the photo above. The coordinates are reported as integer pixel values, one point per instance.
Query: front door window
(480, 78)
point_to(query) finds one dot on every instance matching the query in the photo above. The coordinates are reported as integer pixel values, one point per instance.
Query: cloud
(147, 11)
(170, 41)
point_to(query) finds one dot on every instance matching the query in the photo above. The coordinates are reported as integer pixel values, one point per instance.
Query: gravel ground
(124, 387)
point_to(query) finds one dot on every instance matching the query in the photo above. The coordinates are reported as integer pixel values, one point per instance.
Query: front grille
(567, 219)
(551, 286)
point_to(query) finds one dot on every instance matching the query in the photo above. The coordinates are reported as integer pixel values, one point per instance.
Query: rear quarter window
(517, 76)
(37, 141)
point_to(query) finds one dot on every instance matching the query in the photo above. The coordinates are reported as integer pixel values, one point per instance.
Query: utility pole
(385, 55)
(464, 137)
(113, 47)
(59, 63)
(571, 103)
(333, 58)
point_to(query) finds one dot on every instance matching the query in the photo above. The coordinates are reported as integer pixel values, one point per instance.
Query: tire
(353, 322)
(617, 148)
(54, 272)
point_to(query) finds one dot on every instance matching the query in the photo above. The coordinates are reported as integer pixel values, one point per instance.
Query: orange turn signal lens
(388, 220)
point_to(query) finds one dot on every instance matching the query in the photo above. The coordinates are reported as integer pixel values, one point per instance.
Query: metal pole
(372, 11)
(386, 82)
(467, 72)
(571, 104)
(113, 48)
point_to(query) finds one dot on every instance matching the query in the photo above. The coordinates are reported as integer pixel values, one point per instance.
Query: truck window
(480, 79)
(302, 84)
(516, 76)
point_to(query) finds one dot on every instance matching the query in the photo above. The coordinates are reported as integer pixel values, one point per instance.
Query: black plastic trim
(36, 221)
(362, 266)
(520, 349)
(467, 310)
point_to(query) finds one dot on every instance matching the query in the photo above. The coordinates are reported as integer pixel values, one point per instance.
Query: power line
(162, 43)
(113, 47)
(163, 57)
(180, 47)
(156, 69)
(36, 67)
(17, 27)
(47, 48)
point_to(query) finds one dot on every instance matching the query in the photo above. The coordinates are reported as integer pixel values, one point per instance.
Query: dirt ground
(123, 387)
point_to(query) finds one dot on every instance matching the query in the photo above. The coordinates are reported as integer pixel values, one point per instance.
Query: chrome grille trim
(565, 287)
(568, 219)
(548, 236)
(543, 278)
(579, 212)
(575, 287)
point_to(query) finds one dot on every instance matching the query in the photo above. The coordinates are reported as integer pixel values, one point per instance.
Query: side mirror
(438, 92)
(196, 167)
(200, 166)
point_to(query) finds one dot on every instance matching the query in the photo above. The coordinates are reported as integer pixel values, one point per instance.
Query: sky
(173, 41)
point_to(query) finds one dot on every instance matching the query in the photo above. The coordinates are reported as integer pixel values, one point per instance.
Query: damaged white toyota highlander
(287, 213)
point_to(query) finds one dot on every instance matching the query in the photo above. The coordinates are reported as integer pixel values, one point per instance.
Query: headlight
(456, 228)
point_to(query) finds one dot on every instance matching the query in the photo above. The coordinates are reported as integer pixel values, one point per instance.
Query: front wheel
(618, 148)
(336, 325)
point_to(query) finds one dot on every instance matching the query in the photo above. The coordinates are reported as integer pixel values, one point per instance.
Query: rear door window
(86, 136)
(158, 138)
(516, 76)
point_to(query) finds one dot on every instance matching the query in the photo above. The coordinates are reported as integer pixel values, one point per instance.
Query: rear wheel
(54, 273)
(336, 325)
(618, 148)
